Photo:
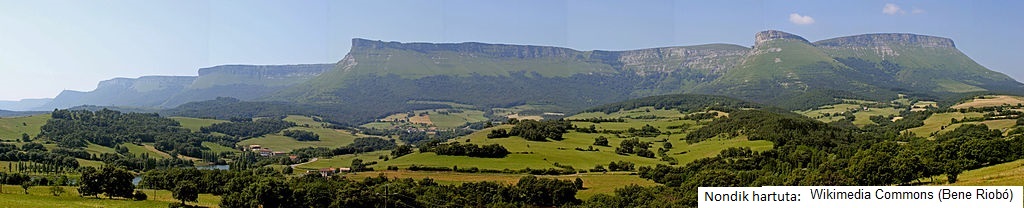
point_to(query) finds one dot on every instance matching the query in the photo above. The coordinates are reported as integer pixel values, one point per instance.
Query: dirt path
(307, 162)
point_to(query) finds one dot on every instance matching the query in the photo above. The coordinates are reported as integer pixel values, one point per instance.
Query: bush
(140, 196)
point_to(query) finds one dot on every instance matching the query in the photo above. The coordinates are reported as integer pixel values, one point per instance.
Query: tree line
(249, 129)
(472, 150)
(264, 187)
(74, 129)
(808, 152)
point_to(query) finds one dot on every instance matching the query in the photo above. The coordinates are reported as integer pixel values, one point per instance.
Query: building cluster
(265, 152)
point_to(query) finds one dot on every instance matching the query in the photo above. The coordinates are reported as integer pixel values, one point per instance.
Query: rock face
(781, 69)
(480, 49)
(143, 92)
(706, 59)
(240, 81)
(24, 104)
(765, 36)
(885, 39)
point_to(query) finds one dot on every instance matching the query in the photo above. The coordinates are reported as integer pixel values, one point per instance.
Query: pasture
(331, 138)
(39, 196)
(987, 101)
(195, 123)
(11, 128)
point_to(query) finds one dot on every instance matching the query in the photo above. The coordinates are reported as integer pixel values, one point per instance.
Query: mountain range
(156, 92)
(781, 69)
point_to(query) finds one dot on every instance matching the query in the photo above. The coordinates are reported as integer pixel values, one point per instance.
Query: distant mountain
(7, 113)
(240, 81)
(24, 104)
(377, 77)
(781, 69)
(246, 82)
(497, 75)
(144, 91)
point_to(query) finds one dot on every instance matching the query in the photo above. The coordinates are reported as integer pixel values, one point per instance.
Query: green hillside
(12, 127)
(923, 62)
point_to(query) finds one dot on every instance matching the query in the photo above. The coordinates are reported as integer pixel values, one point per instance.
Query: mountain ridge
(797, 73)
(780, 69)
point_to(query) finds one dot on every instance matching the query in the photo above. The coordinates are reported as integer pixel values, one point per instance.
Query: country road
(311, 160)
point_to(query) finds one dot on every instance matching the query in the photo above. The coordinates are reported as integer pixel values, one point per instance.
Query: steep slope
(143, 92)
(923, 63)
(24, 104)
(245, 82)
(786, 70)
(503, 75)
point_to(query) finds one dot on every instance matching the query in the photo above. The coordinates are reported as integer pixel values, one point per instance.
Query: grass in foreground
(39, 196)
(1006, 174)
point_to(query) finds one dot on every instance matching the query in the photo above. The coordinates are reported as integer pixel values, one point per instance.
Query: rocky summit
(781, 69)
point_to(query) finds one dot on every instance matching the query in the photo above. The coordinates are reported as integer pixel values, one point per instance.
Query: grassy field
(1006, 174)
(39, 196)
(1002, 125)
(830, 109)
(935, 122)
(922, 105)
(12, 128)
(986, 101)
(195, 123)
(594, 183)
(711, 147)
(863, 117)
(328, 137)
(643, 111)
(440, 118)
(138, 150)
(217, 148)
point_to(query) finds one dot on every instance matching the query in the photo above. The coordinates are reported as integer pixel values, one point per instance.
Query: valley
(480, 125)
(665, 128)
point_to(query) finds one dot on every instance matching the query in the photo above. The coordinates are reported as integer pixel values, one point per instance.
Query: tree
(401, 150)
(111, 181)
(579, 183)
(601, 141)
(287, 170)
(140, 196)
(90, 183)
(56, 190)
(357, 165)
(185, 191)
(25, 137)
(25, 185)
(118, 182)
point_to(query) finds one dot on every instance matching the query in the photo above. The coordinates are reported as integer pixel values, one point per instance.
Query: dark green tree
(185, 191)
(91, 182)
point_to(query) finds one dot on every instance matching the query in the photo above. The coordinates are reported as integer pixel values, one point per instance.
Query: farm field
(987, 101)
(440, 118)
(195, 123)
(820, 112)
(39, 196)
(12, 127)
(863, 117)
(328, 137)
(935, 122)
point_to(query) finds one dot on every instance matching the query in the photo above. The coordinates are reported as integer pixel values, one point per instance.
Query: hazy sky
(49, 46)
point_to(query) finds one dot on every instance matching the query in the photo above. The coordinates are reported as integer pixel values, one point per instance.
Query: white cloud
(800, 19)
(892, 9)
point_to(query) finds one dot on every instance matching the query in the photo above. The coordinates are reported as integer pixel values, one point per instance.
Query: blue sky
(48, 46)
